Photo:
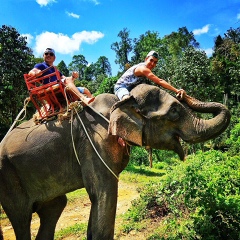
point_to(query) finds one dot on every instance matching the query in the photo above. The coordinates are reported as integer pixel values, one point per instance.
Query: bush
(234, 140)
(161, 158)
(198, 199)
(139, 156)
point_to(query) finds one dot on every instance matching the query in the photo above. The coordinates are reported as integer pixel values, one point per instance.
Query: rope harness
(96, 151)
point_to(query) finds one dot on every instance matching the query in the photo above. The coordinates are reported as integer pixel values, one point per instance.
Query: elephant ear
(126, 122)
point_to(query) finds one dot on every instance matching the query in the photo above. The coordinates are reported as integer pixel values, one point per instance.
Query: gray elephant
(39, 164)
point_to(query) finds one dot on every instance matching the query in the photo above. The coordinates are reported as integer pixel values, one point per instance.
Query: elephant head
(152, 117)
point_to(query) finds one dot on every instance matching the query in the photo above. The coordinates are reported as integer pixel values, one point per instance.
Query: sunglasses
(51, 54)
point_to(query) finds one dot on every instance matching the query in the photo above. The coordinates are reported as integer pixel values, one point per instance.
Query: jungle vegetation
(197, 199)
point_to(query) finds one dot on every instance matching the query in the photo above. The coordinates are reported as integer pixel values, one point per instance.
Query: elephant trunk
(204, 130)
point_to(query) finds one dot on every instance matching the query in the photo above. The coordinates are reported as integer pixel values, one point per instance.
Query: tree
(122, 48)
(62, 67)
(89, 73)
(107, 85)
(95, 73)
(178, 41)
(15, 60)
(225, 65)
(103, 66)
(192, 73)
(233, 34)
(79, 64)
(144, 44)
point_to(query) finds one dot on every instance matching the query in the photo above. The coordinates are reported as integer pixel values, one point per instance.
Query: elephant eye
(173, 113)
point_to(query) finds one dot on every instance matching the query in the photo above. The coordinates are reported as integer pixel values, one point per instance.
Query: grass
(141, 174)
(78, 231)
(76, 195)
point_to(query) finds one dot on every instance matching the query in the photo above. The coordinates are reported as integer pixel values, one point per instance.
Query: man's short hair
(49, 50)
(153, 53)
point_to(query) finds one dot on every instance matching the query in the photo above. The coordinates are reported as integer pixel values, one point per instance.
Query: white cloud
(238, 16)
(64, 44)
(29, 38)
(73, 15)
(202, 30)
(96, 2)
(208, 51)
(45, 2)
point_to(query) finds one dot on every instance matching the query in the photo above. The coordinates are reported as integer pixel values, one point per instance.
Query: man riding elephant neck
(136, 74)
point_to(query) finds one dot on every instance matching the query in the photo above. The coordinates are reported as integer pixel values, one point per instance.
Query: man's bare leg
(70, 84)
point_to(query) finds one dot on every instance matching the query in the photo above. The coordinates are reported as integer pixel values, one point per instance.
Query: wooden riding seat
(51, 98)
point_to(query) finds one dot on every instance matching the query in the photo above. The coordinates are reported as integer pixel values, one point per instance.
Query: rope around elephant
(85, 130)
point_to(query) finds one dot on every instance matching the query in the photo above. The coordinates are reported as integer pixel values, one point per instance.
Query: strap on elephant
(85, 130)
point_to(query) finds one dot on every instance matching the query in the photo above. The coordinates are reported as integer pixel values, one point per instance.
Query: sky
(89, 27)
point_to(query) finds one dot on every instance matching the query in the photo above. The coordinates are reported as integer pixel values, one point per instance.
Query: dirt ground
(78, 212)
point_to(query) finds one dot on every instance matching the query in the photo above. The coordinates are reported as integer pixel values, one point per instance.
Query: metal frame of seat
(49, 99)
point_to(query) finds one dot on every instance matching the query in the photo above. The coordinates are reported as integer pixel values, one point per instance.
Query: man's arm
(144, 71)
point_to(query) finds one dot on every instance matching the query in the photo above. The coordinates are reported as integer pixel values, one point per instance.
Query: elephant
(39, 164)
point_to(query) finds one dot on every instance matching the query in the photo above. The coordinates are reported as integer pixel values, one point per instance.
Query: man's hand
(75, 75)
(35, 72)
(180, 94)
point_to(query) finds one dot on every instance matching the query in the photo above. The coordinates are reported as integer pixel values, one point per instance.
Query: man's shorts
(120, 92)
(81, 89)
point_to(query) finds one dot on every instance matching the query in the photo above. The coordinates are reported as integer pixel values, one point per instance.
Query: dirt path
(78, 212)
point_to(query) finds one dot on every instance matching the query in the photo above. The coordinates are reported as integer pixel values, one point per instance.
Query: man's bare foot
(121, 142)
(89, 100)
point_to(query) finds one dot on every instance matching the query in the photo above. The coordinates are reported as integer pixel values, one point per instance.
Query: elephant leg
(49, 213)
(103, 212)
(20, 218)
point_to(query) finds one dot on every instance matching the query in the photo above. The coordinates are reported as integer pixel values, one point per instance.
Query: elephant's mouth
(169, 142)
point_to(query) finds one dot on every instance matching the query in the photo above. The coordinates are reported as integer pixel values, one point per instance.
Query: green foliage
(144, 44)
(234, 140)
(139, 156)
(178, 42)
(62, 67)
(192, 72)
(78, 64)
(15, 60)
(198, 199)
(225, 65)
(102, 67)
(122, 48)
(107, 85)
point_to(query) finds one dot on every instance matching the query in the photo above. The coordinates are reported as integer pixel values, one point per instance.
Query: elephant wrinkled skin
(38, 164)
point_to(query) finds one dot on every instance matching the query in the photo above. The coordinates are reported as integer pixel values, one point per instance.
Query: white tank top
(128, 79)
